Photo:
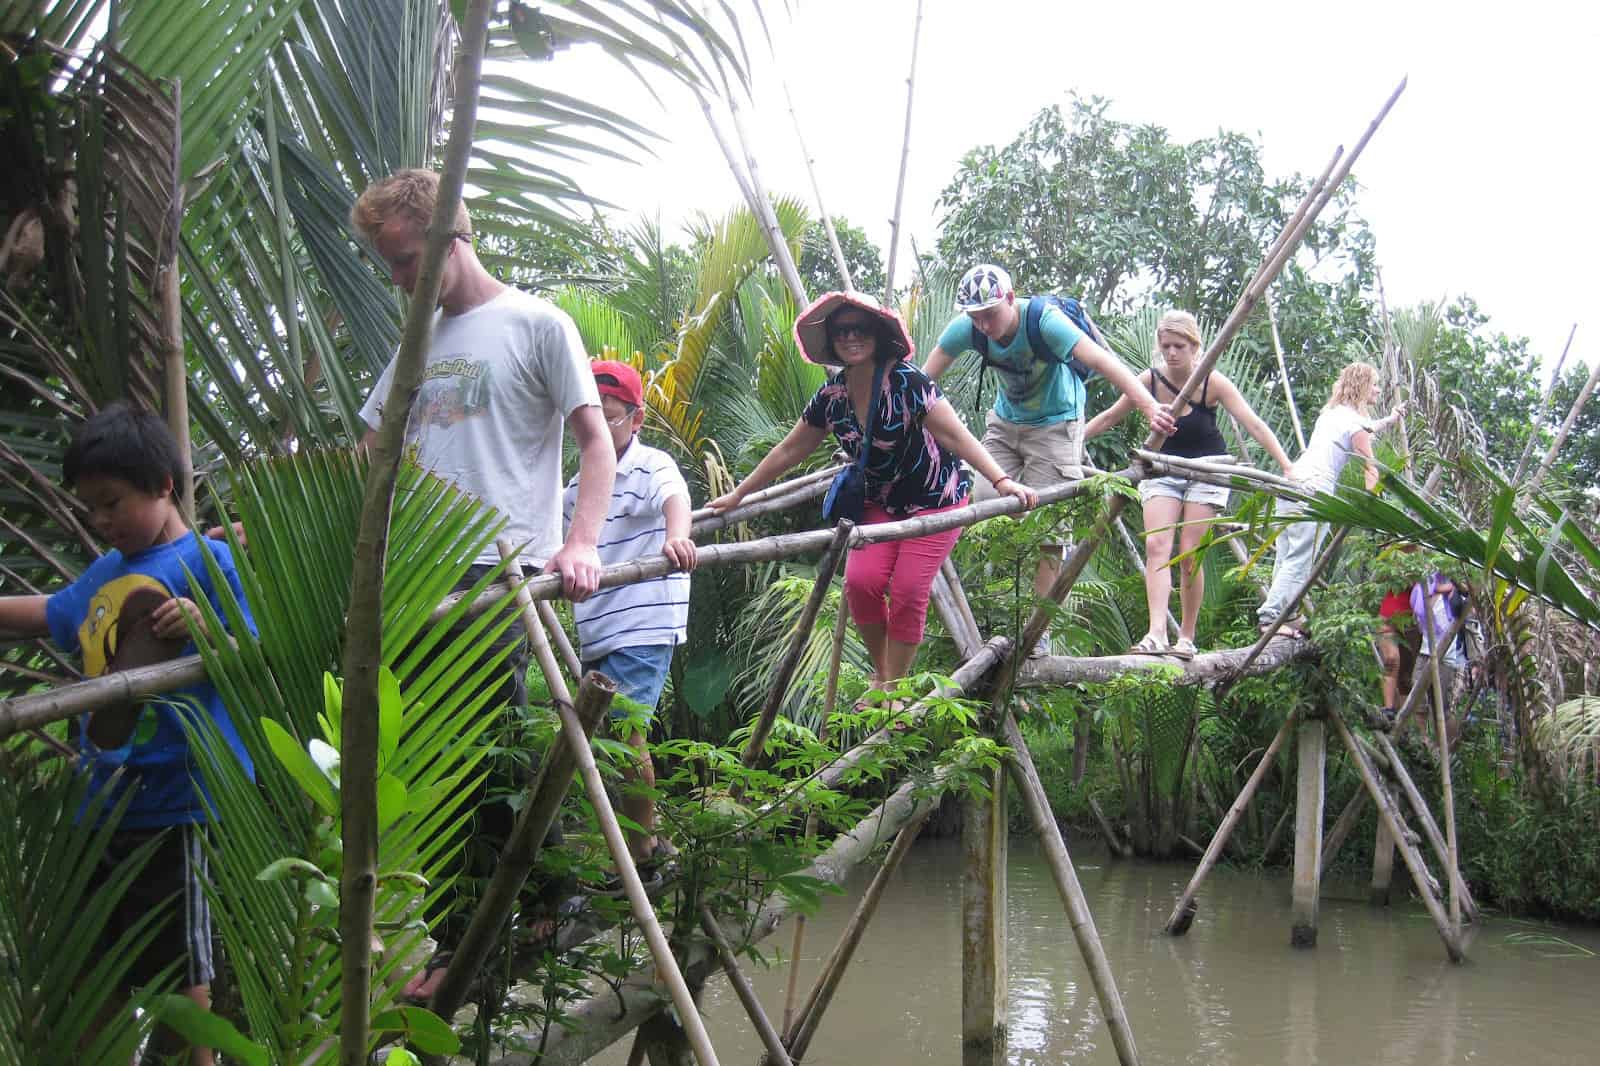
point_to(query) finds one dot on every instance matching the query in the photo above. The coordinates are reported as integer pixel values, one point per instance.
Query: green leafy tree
(817, 268)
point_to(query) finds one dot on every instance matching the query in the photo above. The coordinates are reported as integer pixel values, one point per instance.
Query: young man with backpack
(1043, 357)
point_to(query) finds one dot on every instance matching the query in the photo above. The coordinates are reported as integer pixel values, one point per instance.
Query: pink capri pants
(900, 571)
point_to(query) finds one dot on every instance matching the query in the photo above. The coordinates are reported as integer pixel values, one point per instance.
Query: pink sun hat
(811, 328)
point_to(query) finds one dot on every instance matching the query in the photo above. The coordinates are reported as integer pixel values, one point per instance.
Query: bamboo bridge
(991, 668)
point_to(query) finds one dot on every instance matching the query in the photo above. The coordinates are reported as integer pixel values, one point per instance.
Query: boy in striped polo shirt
(628, 632)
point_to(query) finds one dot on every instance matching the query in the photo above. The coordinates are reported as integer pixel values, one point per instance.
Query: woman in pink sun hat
(913, 467)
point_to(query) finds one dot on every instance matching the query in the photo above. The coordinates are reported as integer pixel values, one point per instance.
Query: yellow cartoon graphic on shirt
(98, 635)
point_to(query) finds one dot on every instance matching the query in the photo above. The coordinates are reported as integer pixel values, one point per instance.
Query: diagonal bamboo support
(958, 592)
(1020, 763)
(558, 636)
(1329, 551)
(776, 1054)
(1396, 827)
(798, 1038)
(1183, 911)
(521, 850)
(826, 567)
(578, 741)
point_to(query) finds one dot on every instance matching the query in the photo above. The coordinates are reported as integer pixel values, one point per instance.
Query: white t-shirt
(1320, 465)
(498, 383)
(646, 612)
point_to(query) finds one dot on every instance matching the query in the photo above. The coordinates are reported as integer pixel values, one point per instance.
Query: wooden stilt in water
(578, 741)
(1183, 911)
(776, 1055)
(1391, 818)
(1308, 804)
(983, 918)
(1020, 763)
(805, 1027)
(1382, 865)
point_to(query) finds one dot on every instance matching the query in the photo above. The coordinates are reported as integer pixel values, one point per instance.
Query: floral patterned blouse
(907, 471)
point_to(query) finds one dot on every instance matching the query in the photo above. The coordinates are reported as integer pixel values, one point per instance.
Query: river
(1376, 990)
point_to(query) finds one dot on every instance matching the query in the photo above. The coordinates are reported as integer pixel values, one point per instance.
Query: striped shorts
(172, 883)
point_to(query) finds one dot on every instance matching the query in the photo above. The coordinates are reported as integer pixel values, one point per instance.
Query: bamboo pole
(807, 621)
(358, 791)
(578, 743)
(741, 987)
(841, 621)
(538, 814)
(963, 605)
(1441, 726)
(1020, 763)
(962, 632)
(1396, 827)
(782, 488)
(763, 205)
(799, 1038)
(1283, 373)
(1183, 911)
(816, 190)
(175, 367)
(905, 158)
(558, 635)
(1566, 427)
(1113, 839)
(1544, 408)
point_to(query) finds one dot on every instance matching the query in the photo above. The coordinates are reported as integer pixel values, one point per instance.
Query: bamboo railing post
(516, 862)
(578, 741)
(810, 1016)
(826, 567)
(1566, 427)
(841, 623)
(1309, 799)
(558, 636)
(983, 917)
(816, 189)
(1442, 730)
(358, 731)
(776, 1054)
(905, 157)
(1283, 372)
(1544, 408)
(1183, 911)
(1392, 821)
(1020, 763)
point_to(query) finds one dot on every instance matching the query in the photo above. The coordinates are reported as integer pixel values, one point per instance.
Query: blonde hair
(1183, 324)
(1353, 387)
(407, 194)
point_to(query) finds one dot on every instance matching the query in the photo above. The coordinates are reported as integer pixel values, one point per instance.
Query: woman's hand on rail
(1010, 486)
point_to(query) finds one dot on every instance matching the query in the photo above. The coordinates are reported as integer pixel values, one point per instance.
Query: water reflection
(1376, 989)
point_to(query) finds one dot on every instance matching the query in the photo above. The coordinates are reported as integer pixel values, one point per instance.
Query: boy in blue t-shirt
(127, 610)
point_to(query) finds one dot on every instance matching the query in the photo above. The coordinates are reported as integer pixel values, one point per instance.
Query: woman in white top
(1344, 428)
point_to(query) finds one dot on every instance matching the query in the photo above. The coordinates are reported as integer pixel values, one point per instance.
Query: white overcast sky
(1481, 181)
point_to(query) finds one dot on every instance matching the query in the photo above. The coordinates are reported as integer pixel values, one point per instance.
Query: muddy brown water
(1377, 989)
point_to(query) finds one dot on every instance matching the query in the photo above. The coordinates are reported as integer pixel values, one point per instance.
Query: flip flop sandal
(1150, 645)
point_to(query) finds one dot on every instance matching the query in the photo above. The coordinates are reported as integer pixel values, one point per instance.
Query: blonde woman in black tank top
(1179, 504)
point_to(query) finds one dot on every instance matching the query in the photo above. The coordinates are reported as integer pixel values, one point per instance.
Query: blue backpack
(1068, 306)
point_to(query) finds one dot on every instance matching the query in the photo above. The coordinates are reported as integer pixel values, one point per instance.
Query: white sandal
(1150, 644)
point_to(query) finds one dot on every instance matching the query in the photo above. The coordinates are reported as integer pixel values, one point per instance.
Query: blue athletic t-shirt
(1034, 389)
(83, 619)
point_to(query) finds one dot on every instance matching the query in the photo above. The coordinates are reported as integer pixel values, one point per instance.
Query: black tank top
(1197, 435)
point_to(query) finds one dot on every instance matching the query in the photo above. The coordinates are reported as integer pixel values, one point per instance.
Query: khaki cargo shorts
(1036, 455)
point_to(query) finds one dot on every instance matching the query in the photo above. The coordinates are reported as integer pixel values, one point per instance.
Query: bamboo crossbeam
(797, 643)
(1020, 763)
(776, 1054)
(1208, 666)
(1396, 827)
(781, 488)
(1230, 475)
(1183, 911)
(833, 970)
(577, 741)
(521, 851)
(711, 522)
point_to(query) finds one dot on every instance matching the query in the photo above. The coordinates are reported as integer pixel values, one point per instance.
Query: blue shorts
(639, 672)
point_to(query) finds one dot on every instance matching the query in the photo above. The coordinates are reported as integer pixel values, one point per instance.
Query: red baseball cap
(618, 379)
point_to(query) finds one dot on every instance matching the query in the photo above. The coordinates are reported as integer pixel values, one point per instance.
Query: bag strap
(872, 415)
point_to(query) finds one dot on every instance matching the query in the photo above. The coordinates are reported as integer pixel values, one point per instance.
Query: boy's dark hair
(124, 443)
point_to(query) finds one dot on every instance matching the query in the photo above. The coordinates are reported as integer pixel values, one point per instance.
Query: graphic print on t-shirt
(453, 390)
(117, 611)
